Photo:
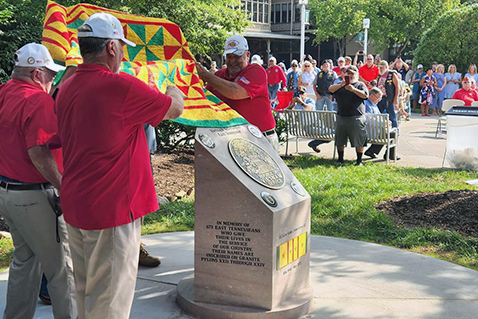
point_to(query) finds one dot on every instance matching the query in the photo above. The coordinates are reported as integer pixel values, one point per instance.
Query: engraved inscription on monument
(257, 163)
(232, 245)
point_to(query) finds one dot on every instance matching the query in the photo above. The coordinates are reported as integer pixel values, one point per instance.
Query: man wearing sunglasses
(29, 174)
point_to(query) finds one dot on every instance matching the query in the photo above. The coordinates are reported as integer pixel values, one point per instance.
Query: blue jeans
(273, 91)
(324, 103)
(386, 106)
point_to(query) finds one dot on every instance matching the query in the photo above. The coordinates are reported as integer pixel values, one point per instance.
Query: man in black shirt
(351, 122)
(322, 82)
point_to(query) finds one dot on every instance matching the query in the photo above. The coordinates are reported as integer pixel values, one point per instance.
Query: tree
(452, 39)
(337, 19)
(20, 23)
(392, 21)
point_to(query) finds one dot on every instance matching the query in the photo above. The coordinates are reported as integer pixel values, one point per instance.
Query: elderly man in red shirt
(243, 87)
(107, 183)
(369, 71)
(275, 76)
(29, 172)
(466, 93)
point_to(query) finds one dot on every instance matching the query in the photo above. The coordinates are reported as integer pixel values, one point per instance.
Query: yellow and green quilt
(161, 58)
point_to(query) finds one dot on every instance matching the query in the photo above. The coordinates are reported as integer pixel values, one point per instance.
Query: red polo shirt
(107, 180)
(467, 96)
(369, 74)
(256, 109)
(27, 119)
(275, 75)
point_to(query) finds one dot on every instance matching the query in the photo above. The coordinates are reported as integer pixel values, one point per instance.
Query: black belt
(24, 187)
(267, 133)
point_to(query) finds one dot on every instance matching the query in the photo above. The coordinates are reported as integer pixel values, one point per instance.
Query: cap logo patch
(31, 60)
(113, 25)
(233, 44)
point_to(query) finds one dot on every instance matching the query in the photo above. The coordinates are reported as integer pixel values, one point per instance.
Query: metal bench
(320, 125)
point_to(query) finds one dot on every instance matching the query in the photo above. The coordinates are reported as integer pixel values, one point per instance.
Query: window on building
(257, 10)
(284, 13)
(297, 12)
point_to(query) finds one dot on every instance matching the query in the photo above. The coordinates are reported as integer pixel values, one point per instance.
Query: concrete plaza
(350, 279)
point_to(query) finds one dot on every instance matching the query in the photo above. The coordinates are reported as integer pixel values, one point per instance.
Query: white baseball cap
(341, 59)
(103, 25)
(236, 44)
(419, 66)
(256, 59)
(36, 55)
(273, 59)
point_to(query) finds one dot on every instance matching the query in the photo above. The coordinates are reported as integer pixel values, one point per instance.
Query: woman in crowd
(440, 89)
(427, 92)
(453, 80)
(466, 94)
(416, 85)
(472, 72)
(306, 79)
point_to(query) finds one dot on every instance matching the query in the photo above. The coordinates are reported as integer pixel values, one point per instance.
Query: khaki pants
(32, 223)
(106, 266)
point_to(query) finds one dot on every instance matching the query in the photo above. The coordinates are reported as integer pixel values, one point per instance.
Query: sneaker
(145, 259)
(358, 164)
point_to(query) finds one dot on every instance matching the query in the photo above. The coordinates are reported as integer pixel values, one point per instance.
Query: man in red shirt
(340, 65)
(369, 71)
(107, 183)
(466, 93)
(29, 172)
(243, 87)
(275, 76)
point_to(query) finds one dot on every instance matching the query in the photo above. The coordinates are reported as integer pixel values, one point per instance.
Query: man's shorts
(352, 128)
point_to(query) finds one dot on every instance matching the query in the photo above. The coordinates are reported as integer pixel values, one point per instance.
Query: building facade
(275, 30)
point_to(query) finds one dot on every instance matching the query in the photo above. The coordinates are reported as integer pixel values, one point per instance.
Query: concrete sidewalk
(417, 145)
(351, 279)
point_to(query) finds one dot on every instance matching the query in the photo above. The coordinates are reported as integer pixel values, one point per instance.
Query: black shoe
(340, 162)
(46, 300)
(358, 164)
(370, 154)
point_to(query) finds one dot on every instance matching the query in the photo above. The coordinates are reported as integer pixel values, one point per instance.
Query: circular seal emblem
(207, 141)
(296, 187)
(31, 60)
(257, 163)
(254, 131)
(269, 199)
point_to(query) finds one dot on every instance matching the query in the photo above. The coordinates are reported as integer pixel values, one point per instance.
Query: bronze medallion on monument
(257, 163)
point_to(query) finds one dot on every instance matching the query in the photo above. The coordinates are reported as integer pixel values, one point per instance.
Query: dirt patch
(451, 210)
(174, 174)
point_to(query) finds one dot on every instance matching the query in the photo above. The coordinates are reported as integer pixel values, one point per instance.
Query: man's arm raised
(229, 89)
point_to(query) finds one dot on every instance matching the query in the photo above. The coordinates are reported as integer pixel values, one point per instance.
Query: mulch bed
(451, 210)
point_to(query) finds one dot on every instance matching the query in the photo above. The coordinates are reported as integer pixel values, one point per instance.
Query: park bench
(320, 125)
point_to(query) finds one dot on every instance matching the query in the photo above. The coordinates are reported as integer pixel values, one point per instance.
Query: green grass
(343, 205)
(6, 253)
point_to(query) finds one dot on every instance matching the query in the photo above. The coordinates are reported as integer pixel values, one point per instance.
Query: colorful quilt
(161, 58)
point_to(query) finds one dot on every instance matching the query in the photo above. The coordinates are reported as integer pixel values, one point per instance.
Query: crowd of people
(402, 87)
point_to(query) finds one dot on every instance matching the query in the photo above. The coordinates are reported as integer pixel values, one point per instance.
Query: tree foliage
(392, 21)
(205, 23)
(451, 39)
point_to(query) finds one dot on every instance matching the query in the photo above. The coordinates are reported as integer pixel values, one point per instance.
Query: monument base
(294, 308)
